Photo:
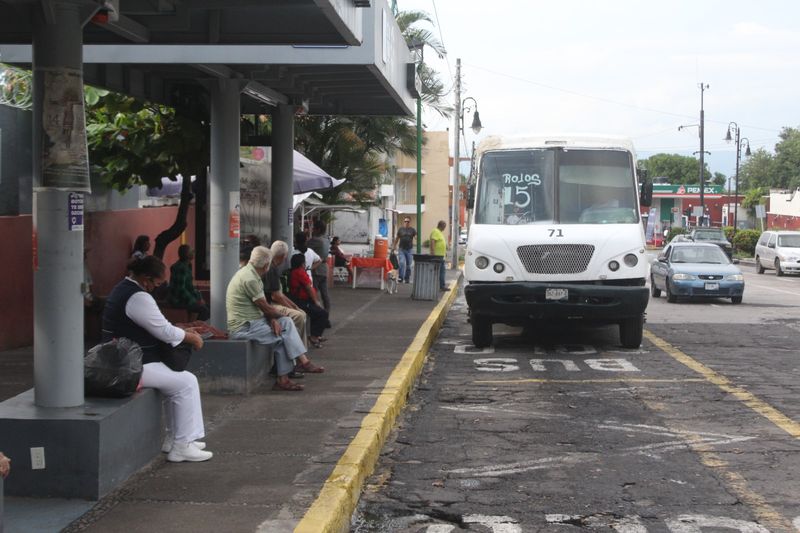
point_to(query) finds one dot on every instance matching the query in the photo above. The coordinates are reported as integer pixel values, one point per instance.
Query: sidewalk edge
(333, 508)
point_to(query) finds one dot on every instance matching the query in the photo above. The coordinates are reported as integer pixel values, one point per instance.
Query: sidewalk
(273, 451)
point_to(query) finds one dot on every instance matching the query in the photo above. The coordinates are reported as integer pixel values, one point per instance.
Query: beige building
(435, 184)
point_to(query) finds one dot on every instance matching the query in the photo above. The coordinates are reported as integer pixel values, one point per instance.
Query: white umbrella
(309, 177)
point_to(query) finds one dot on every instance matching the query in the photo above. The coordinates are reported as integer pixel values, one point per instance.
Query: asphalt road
(560, 429)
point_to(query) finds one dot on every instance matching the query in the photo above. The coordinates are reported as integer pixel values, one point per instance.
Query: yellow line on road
(610, 380)
(735, 482)
(748, 398)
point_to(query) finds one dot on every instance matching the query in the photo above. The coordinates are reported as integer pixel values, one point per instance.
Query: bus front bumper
(516, 303)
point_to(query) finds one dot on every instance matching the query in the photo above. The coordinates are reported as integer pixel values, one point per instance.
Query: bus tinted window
(516, 187)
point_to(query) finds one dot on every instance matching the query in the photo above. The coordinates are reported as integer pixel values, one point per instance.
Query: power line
(608, 100)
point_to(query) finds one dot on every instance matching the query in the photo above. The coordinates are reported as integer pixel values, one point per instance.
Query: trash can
(426, 277)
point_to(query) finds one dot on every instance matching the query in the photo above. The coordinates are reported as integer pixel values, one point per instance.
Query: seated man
(274, 292)
(250, 317)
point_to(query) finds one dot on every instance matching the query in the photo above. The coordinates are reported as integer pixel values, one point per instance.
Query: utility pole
(456, 161)
(703, 87)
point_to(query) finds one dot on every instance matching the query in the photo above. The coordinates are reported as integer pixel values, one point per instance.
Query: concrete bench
(88, 450)
(231, 366)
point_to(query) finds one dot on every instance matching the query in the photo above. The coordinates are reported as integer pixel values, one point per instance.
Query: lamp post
(459, 130)
(739, 141)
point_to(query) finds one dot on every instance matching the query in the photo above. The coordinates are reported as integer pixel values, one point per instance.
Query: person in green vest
(439, 249)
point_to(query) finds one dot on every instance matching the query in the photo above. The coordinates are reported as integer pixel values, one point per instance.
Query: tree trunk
(179, 226)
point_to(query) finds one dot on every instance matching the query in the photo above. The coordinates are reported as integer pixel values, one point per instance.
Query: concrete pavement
(277, 454)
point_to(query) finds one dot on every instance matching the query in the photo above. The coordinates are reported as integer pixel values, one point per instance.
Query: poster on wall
(65, 160)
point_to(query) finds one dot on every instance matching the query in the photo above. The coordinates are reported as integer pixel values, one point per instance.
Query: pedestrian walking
(404, 244)
(438, 246)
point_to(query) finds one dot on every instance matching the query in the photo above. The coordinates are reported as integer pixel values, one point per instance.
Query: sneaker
(168, 443)
(187, 451)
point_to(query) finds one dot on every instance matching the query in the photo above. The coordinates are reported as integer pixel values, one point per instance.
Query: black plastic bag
(112, 369)
(394, 261)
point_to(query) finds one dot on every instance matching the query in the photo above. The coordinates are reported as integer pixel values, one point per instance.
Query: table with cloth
(382, 263)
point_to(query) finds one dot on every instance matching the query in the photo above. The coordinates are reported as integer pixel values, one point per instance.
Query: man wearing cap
(404, 241)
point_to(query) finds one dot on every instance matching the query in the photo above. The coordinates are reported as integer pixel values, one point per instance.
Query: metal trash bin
(426, 277)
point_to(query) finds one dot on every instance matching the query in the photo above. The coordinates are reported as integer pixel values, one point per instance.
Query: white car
(462, 238)
(779, 250)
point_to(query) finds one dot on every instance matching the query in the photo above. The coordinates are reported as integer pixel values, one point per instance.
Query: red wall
(783, 222)
(108, 235)
(16, 287)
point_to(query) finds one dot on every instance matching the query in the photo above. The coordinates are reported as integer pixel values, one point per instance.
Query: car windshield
(709, 235)
(789, 241)
(699, 254)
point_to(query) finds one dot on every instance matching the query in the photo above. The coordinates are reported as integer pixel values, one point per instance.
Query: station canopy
(337, 57)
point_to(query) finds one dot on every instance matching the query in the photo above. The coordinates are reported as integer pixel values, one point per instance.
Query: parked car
(779, 250)
(462, 237)
(713, 235)
(696, 270)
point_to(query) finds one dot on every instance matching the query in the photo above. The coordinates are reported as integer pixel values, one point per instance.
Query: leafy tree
(787, 159)
(719, 178)
(757, 171)
(138, 143)
(433, 91)
(753, 197)
(679, 169)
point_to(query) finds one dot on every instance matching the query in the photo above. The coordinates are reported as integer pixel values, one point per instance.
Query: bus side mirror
(646, 192)
(471, 197)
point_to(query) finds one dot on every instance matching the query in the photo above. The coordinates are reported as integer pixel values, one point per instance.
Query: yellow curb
(331, 511)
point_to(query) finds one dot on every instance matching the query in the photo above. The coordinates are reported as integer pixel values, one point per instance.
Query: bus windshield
(548, 185)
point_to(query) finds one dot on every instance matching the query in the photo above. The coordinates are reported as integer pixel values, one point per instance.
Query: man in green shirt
(251, 317)
(439, 249)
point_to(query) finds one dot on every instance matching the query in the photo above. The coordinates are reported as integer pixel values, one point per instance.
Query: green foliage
(719, 178)
(131, 142)
(728, 233)
(676, 168)
(674, 231)
(780, 171)
(745, 241)
(354, 149)
(753, 197)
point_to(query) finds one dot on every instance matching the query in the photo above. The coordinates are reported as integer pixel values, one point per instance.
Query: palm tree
(433, 91)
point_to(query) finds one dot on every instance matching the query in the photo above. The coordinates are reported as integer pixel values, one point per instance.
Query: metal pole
(703, 87)
(57, 302)
(224, 198)
(282, 174)
(456, 159)
(736, 192)
(419, 175)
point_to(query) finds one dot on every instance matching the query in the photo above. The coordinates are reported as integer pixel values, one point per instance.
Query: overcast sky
(624, 67)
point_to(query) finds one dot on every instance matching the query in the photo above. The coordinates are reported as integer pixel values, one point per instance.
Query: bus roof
(498, 142)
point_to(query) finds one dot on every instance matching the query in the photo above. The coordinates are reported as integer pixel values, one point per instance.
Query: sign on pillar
(234, 219)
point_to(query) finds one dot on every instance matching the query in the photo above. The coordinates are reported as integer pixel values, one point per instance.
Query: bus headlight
(499, 267)
(613, 266)
(631, 260)
(481, 262)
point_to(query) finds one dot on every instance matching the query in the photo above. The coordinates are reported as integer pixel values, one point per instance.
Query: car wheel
(778, 271)
(630, 332)
(481, 333)
(759, 266)
(671, 298)
(654, 291)
(736, 299)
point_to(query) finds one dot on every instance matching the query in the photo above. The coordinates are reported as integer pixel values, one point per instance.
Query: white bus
(556, 234)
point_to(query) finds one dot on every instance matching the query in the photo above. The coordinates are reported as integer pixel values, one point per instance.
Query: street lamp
(461, 107)
(747, 152)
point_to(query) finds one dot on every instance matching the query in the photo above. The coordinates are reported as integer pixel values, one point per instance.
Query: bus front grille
(555, 258)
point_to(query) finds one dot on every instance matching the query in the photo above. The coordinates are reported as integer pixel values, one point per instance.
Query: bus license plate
(712, 286)
(556, 294)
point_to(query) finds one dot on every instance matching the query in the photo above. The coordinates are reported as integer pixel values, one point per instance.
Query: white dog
(391, 282)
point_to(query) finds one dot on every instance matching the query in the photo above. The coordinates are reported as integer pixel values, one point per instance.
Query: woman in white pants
(131, 312)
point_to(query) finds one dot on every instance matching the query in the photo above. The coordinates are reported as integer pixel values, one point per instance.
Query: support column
(224, 194)
(57, 301)
(282, 174)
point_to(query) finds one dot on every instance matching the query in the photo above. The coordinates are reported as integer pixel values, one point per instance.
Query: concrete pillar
(57, 300)
(282, 174)
(224, 194)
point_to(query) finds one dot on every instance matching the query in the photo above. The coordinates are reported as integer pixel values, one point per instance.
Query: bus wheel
(630, 332)
(481, 333)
